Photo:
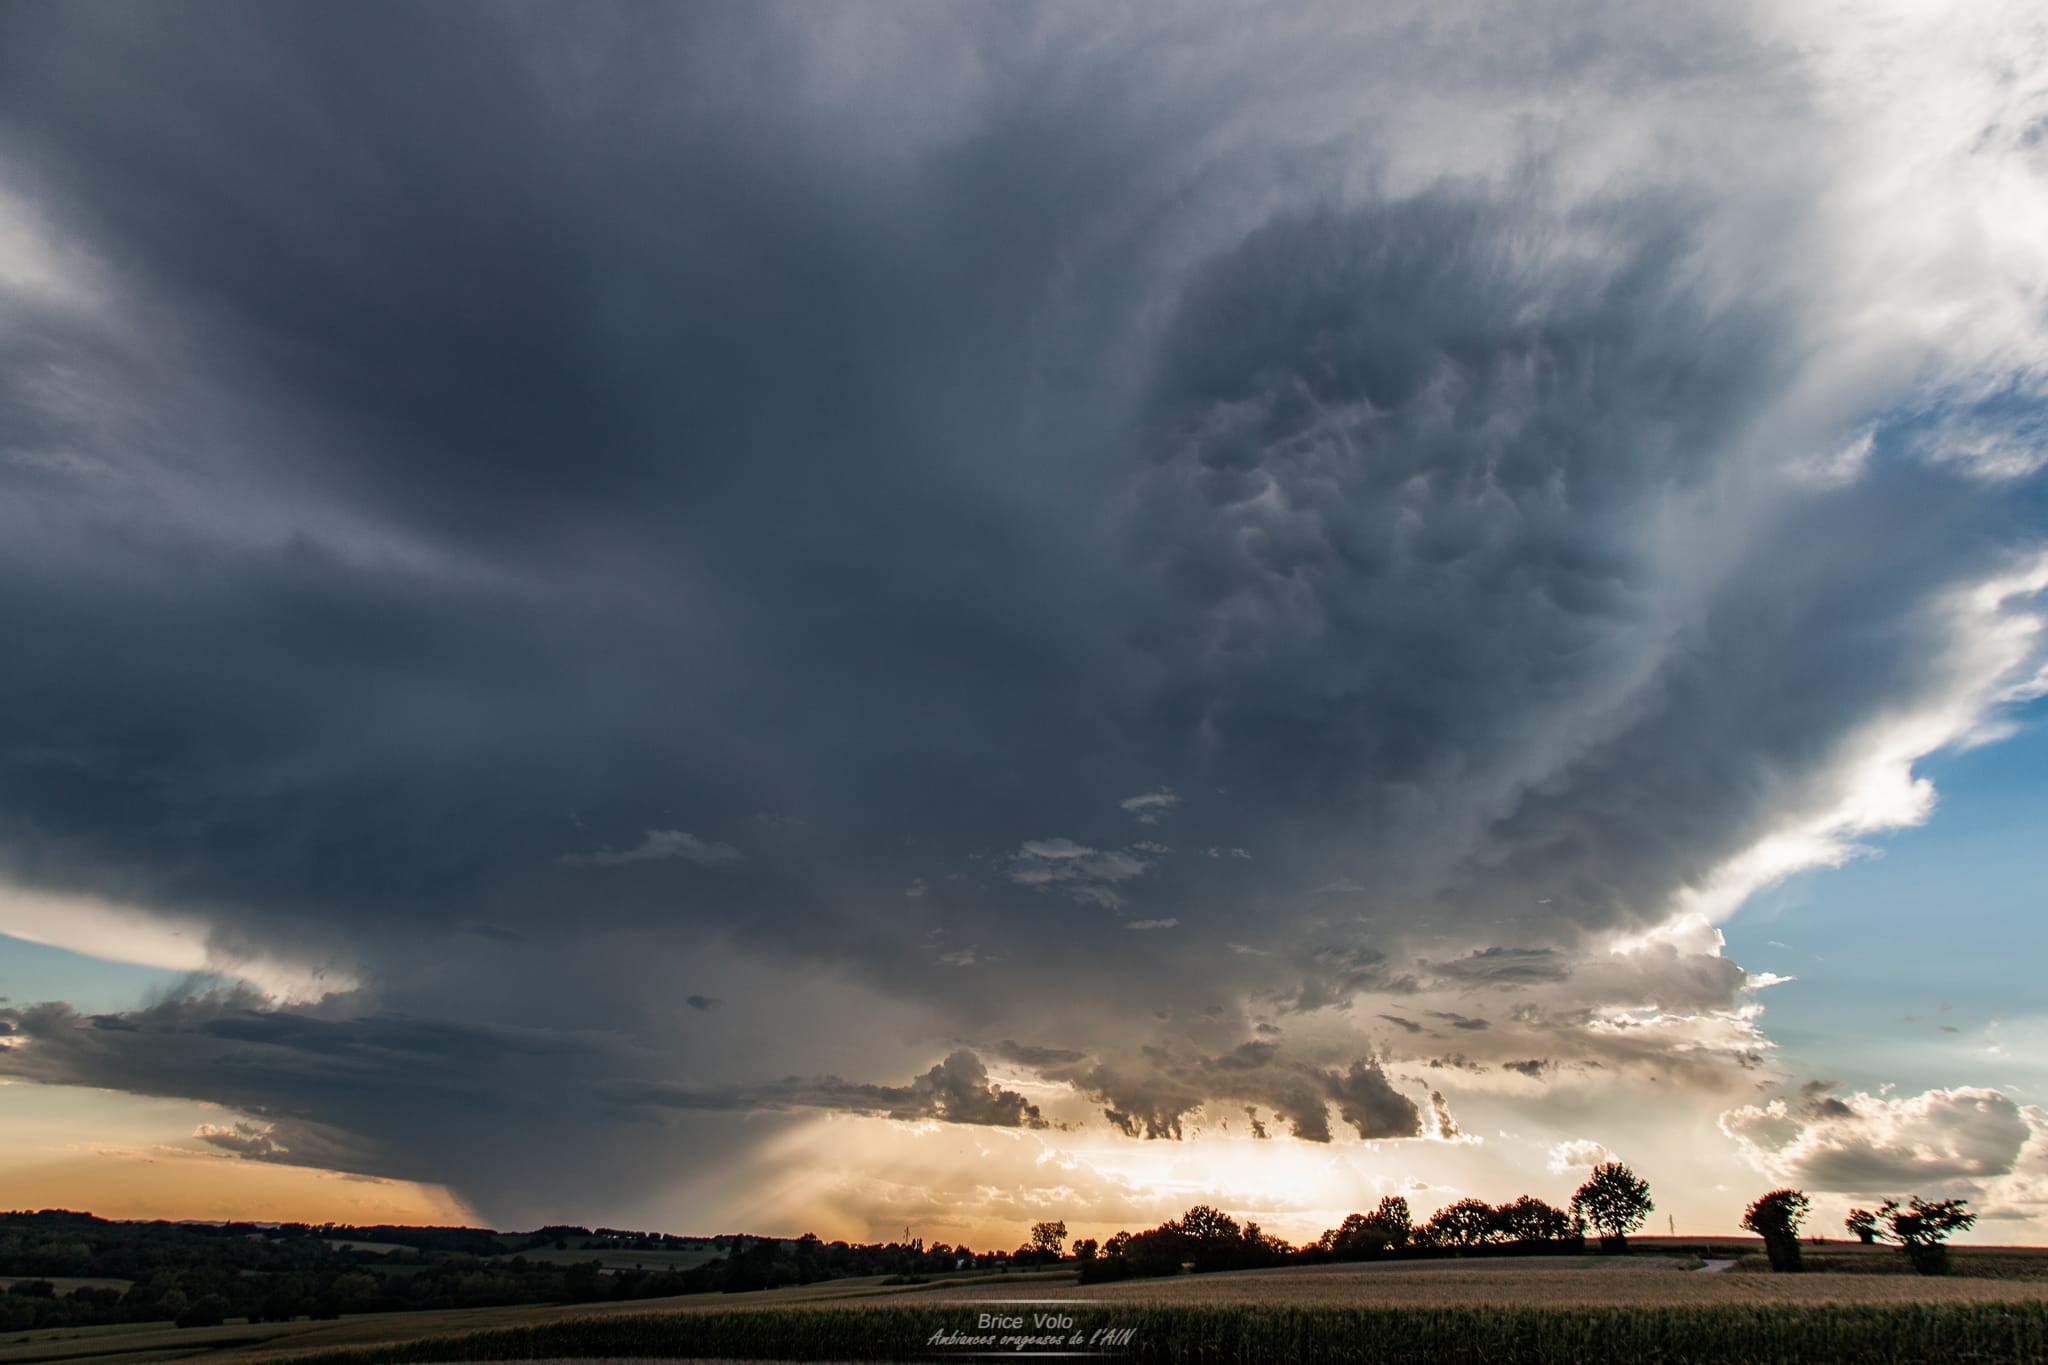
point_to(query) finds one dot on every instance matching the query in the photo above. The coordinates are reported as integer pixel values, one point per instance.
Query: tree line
(1612, 1203)
(1919, 1228)
(200, 1274)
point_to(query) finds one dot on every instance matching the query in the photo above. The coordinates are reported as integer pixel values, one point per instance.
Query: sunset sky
(773, 617)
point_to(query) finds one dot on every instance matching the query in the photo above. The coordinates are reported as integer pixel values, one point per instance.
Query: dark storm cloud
(1505, 966)
(1154, 1096)
(1039, 1058)
(1440, 1108)
(547, 509)
(957, 1090)
(1816, 1102)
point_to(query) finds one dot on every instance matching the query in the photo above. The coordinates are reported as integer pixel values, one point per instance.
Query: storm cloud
(655, 484)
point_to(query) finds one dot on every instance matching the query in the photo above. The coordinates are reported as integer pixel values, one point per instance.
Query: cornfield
(1757, 1334)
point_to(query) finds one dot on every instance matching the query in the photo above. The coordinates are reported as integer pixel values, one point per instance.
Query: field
(64, 1284)
(1646, 1307)
(614, 1258)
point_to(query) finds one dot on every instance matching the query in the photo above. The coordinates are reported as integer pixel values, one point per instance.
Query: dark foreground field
(1587, 1310)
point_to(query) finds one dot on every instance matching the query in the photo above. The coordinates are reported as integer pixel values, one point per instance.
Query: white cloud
(659, 845)
(1149, 807)
(1085, 873)
(1875, 1146)
(1581, 1155)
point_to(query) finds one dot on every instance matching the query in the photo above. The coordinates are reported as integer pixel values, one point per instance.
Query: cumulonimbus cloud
(1514, 537)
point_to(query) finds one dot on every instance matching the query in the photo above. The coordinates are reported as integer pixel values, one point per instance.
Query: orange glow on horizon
(176, 1185)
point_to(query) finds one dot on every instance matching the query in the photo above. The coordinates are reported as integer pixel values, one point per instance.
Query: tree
(1393, 1219)
(1467, 1223)
(1863, 1223)
(1085, 1249)
(1775, 1217)
(1615, 1202)
(1529, 1219)
(1049, 1237)
(1921, 1227)
(1212, 1238)
(1356, 1238)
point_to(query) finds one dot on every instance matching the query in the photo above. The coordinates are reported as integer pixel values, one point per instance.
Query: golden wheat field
(1536, 1283)
(1635, 1283)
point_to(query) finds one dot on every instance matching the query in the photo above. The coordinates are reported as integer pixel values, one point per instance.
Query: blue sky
(1944, 922)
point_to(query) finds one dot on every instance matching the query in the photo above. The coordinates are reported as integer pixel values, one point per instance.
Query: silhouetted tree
(1863, 1223)
(1529, 1219)
(1049, 1237)
(1615, 1202)
(1213, 1239)
(1921, 1227)
(1393, 1219)
(1085, 1249)
(1467, 1223)
(1776, 1217)
(1357, 1238)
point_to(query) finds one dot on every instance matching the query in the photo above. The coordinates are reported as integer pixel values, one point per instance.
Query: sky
(758, 617)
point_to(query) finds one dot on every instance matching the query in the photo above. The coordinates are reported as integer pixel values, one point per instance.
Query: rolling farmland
(1589, 1309)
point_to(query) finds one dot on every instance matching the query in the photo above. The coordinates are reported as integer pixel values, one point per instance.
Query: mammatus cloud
(658, 845)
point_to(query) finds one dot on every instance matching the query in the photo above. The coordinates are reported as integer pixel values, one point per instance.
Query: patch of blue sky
(1919, 964)
(32, 973)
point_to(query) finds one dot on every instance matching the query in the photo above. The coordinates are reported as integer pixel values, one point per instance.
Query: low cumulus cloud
(1875, 1146)
(1580, 1155)
(256, 1141)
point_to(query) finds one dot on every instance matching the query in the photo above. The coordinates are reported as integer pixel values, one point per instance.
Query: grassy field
(1581, 1309)
(61, 1285)
(613, 1258)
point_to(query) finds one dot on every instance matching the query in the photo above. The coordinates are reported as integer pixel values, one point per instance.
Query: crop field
(1590, 1310)
(1984, 1333)
(1593, 1282)
(617, 1258)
